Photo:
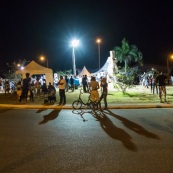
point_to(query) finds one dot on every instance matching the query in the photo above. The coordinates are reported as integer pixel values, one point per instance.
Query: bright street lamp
(74, 44)
(42, 58)
(98, 42)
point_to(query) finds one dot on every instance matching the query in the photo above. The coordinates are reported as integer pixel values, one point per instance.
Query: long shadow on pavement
(108, 126)
(114, 131)
(133, 126)
(51, 116)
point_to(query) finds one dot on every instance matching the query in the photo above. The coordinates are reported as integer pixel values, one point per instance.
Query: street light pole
(74, 63)
(98, 42)
(74, 44)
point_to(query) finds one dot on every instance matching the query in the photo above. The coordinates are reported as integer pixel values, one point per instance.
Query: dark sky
(32, 28)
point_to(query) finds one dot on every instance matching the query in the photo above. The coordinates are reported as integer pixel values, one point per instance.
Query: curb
(11, 106)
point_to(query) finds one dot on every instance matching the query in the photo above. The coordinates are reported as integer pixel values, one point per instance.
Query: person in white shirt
(62, 85)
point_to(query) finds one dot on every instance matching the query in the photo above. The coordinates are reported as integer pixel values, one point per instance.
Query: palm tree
(127, 53)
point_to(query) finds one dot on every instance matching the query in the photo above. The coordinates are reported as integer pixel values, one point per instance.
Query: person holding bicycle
(94, 86)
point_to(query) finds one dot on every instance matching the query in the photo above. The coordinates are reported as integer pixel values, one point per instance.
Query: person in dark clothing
(66, 86)
(51, 92)
(44, 88)
(25, 88)
(154, 84)
(161, 81)
(32, 86)
(104, 90)
(72, 83)
(85, 83)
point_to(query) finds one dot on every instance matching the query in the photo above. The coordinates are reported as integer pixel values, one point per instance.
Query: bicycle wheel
(77, 104)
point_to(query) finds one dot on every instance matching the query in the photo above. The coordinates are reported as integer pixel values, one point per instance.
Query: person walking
(62, 85)
(104, 91)
(94, 86)
(161, 81)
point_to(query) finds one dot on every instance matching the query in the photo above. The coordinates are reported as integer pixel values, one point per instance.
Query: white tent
(109, 67)
(84, 72)
(34, 69)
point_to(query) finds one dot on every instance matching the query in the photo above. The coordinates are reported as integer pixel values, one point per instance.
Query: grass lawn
(136, 95)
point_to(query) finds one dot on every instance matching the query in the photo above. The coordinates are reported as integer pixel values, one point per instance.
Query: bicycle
(77, 104)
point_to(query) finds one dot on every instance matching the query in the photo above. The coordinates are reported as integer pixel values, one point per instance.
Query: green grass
(136, 95)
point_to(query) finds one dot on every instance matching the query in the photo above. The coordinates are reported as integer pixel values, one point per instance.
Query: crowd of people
(157, 83)
(28, 89)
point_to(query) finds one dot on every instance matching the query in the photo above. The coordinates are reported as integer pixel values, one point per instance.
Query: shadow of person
(115, 132)
(133, 126)
(51, 116)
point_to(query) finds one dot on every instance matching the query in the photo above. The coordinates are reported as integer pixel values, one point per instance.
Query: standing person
(62, 84)
(32, 88)
(94, 86)
(154, 84)
(7, 87)
(25, 88)
(161, 80)
(171, 75)
(38, 88)
(19, 90)
(85, 83)
(66, 86)
(72, 83)
(104, 91)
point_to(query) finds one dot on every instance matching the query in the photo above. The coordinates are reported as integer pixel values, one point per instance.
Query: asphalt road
(67, 141)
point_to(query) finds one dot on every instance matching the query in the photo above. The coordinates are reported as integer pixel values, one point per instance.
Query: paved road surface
(62, 141)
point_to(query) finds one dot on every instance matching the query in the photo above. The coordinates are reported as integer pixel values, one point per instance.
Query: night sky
(29, 29)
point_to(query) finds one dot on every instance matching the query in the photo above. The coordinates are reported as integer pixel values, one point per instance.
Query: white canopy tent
(35, 69)
(84, 72)
(109, 67)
